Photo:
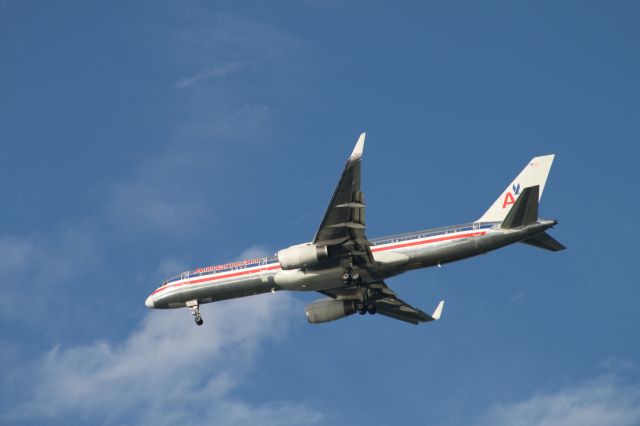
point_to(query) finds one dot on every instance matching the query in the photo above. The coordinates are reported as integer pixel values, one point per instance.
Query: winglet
(436, 314)
(357, 151)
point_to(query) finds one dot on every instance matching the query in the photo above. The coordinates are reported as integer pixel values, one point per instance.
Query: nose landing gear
(195, 311)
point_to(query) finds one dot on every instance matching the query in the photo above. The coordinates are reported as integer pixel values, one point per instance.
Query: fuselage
(393, 255)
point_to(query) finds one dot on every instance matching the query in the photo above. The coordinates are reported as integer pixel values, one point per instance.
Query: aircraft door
(264, 276)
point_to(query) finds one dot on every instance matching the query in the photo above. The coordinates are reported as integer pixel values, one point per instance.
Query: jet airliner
(350, 270)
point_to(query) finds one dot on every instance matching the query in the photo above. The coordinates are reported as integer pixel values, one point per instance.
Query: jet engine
(326, 310)
(302, 255)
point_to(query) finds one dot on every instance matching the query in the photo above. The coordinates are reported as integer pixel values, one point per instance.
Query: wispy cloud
(518, 297)
(212, 72)
(40, 265)
(167, 371)
(255, 251)
(169, 191)
(233, 38)
(164, 191)
(605, 400)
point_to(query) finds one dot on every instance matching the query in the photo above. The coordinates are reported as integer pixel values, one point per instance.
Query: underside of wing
(400, 310)
(343, 224)
(385, 302)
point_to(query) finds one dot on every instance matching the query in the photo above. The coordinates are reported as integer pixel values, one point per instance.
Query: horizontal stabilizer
(525, 210)
(544, 241)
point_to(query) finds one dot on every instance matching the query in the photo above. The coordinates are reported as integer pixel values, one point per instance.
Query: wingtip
(357, 150)
(438, 312)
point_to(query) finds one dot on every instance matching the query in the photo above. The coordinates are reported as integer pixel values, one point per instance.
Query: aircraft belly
(464, 248)
(435, 254)
(231, 289)
(206, 293)
(310, 280)
(456, 251)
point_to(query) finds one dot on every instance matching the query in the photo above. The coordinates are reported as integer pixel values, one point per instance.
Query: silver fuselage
(393, 255)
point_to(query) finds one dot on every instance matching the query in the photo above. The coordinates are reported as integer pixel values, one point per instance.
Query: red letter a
(508, 199)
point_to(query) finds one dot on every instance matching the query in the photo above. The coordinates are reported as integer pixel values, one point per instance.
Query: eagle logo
(516, 188)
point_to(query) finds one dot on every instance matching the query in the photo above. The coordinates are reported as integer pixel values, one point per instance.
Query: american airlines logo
(516, 189)
(510, 197)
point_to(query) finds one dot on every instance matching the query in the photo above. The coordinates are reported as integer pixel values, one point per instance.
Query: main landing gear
(366, 303)
(350, 277)
(195, 311)
(363, 308)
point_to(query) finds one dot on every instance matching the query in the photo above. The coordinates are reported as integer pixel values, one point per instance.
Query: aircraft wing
(386, 302)
(343, 229)
(343, 224)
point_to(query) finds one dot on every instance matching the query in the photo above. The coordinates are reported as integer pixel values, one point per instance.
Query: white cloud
(171, 190)
(39, 265)
(235, 38)
(168, 371)
(518, 297)
(254, 251)
(212, 72)
(15, 254)
(602, 401)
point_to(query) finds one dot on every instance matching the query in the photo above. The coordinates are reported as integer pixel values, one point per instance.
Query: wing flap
(353, 225)
(400, 310)
(412, 319)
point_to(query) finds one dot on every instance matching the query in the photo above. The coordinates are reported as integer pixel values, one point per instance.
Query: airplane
(350, 270)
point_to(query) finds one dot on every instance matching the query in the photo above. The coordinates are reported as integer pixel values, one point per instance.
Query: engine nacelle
(326, 310)
(302, 255)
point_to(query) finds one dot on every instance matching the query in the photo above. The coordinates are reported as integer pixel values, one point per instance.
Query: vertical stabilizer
(534, 174)
(525, 210)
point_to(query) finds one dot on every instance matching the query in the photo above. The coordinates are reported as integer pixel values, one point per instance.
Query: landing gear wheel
(361, 308)
(195, 311)
(371, 308)
(350, 276)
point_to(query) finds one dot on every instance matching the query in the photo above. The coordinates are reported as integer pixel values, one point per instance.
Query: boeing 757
(350, 269)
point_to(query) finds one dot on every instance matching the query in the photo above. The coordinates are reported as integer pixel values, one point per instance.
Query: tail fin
(525, 210)
(534, 174)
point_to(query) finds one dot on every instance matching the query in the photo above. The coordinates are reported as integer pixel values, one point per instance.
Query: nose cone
(149, 302)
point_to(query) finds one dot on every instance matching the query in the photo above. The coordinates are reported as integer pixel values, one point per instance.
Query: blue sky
(139, 139)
